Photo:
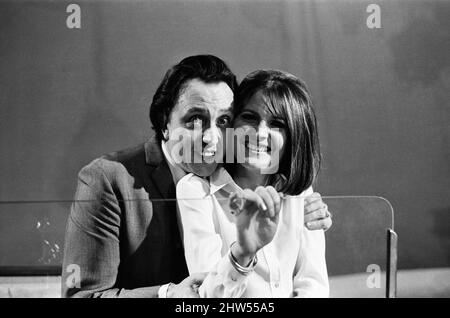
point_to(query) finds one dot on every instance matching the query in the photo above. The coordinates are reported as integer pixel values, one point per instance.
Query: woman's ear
(165, 134)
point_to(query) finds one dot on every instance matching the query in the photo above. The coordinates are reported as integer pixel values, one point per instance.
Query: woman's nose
(263, 130)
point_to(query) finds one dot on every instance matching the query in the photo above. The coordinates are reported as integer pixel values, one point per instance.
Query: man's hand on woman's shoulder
(317, 216)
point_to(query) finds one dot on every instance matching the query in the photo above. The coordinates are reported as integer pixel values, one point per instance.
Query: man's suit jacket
(120, 232)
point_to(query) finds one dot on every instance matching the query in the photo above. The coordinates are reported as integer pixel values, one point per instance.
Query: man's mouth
(208, 153)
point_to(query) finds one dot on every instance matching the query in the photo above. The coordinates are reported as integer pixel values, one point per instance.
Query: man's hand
(317, 216)
(188, 288)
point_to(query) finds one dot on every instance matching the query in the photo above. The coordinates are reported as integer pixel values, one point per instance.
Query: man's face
(197, 124)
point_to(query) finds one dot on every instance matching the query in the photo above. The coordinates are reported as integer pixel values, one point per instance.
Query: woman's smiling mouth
(258, 149)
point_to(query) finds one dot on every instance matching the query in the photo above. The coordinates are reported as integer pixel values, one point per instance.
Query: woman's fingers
(265, 195)
(275, 198)
(265, 199)
(252, 197)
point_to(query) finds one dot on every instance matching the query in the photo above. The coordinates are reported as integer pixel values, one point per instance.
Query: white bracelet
(241, 269)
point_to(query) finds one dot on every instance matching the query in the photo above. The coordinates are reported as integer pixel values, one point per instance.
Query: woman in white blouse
(244, 224)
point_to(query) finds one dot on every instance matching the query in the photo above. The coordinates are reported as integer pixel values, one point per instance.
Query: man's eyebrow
(196, 110)
(227, 110)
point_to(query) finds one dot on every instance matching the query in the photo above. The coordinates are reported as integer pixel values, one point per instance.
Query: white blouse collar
(222, 179)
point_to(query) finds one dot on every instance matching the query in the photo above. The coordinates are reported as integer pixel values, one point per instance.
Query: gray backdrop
(382, 98)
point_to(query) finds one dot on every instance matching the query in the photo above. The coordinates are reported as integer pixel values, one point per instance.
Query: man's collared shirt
(175, 169)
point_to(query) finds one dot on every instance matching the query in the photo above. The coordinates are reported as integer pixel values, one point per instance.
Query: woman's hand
(256, 222)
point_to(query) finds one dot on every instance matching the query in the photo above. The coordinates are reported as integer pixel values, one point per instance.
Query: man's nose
(211, 136)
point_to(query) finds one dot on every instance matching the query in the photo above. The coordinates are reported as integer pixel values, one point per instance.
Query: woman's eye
(278, 124)
(248, 117)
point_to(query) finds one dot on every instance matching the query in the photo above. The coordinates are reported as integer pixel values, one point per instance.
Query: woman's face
(263, 136)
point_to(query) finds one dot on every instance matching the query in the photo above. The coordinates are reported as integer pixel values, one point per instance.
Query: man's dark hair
(287, 97)
(207, 68)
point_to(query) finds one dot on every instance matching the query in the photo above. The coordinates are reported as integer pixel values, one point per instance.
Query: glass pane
(357, 245)
(30, 264)
(32, 235)
(31, 248)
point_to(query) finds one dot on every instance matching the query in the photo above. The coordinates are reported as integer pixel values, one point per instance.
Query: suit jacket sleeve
(92, 243)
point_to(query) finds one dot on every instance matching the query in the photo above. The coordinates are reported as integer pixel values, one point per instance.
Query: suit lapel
(163, 180)
(160, 174)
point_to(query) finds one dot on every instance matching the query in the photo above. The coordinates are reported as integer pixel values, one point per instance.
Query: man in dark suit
(123, 236)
